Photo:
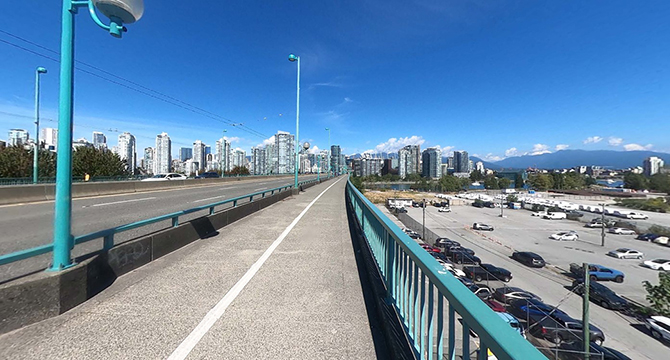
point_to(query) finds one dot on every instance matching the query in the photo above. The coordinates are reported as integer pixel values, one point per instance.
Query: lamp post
(223, 149)
(329, 154)
(119, 12)
(293, 58)
(38, 71)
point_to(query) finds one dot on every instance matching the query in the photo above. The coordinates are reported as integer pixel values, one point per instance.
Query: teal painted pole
(318, 167)
(330, 155)
(38, 71)
(297, 128)
(62, 241)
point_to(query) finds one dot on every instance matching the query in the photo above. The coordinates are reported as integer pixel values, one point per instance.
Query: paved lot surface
(28, 225)
(522, 232)
(305, 301)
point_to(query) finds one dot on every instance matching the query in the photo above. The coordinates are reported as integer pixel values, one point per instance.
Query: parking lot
(518, 230)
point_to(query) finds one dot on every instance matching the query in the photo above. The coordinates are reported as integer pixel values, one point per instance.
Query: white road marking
(118, 202)
(212, 198)
(259, 189)
(186, 346)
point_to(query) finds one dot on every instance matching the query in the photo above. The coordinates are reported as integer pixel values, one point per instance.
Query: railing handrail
(492, 330)
(107, 234)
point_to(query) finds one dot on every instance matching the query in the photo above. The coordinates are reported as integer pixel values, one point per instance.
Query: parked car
(626, 253)
(574, 351)
(636, 216)
(466, 281)
(555, 216)
(565, 236)
(621, 231)
(480, 226)
(464, 258)
(166, 177)
(507, 294)
(482, 291)
(647, 237)
(449, 266)
(458, 248)
(445, 243)
(208, 175)
(444, 209)
(527, 309)
(430, 248)
(539, 213)
(574, 214)
(600, 294)
(659, 326)
(513, 322)
(658, 264)
(487, 272)
(663, 240)
(597, 272)
(529, 258)
(559, 328)
(495, 306)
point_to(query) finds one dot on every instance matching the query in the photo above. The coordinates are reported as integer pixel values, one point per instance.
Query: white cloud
(560, 147)
(268, 141)
(637, 147)
(511, 152)
(615, 141)
(539, 149)
(314, 150)
(369, 151)
(236, 139)
(491, 157)
(593, 140)
(394, 144)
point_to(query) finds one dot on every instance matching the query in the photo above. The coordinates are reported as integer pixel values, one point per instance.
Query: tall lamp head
(292, 57)
(119, 12)
(41, 70)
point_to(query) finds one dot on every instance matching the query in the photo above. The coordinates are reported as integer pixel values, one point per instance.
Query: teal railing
(418, 288)
(108, 234)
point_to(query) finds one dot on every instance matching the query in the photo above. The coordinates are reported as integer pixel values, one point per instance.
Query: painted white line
(186, 346)
(119, 202)
(212, 198)
(259, 189)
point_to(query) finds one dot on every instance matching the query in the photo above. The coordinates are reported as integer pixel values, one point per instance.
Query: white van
(555, 216)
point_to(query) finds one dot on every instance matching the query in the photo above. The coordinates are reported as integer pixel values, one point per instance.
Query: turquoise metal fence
(108, 234)
(418, 288)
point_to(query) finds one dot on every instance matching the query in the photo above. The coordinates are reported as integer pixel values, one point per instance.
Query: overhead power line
(135, 86)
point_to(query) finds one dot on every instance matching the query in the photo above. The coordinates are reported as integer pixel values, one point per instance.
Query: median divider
(46, 294)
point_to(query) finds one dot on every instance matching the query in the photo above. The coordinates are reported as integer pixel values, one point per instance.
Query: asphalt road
(520, 231)
(23, 226)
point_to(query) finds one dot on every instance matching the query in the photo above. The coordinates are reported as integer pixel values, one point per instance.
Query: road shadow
(642, 328)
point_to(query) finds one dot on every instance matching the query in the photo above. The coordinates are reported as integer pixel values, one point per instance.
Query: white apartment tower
(99, 140)
(127, 152)
(199, 154)
(49, 137)
(652, 165)
(163, 152)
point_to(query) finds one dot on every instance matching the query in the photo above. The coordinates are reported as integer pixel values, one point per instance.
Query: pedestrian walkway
(282, 283)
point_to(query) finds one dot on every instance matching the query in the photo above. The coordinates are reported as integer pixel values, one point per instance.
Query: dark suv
(559, 328)
(208, 175)
(529, 258)
(601, 294)
(464, 258)
(487, 272)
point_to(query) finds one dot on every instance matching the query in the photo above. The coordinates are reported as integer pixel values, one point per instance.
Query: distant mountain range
(571, 158)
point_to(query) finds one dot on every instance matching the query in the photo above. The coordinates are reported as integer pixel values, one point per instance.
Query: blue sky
(496, 78)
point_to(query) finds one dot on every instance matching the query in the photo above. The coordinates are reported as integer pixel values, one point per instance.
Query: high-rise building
(450, 162)
(239, 158)
(163, 152)
(224, 154)
(409, 158)
(432, 163)
(367, 166)
(461, 162)
(285, 150)
(17, 137)
(199, 155)
(49, 137)
(185, 153)
(208, 149)
(335, 159)
(652, 165)
(126, 150)
(479, 166)
(259, 160)
(82, 142)
(99, 140)
(149, 155)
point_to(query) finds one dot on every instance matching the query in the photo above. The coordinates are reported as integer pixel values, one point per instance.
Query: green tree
(97, 162)
(239, 170)
(476, 175)
(574, 181)
(541, 182)
(413, 177)
(491, 182)
(635, 181)
(659, 295)
(465, 183)
(504, 183)
(588, 180)
(660, 182)
(558, 180)
(449, 183)
(17, 162)
(518, 181)
(512, 198)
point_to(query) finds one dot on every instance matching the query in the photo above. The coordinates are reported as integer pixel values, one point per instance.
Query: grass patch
(657, 204)
(380, 197)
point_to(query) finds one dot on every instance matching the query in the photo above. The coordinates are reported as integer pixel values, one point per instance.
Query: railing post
(234, 203)
(175, 221)
(211, 210)
(390, 247)
(251, 198)
(108, 242)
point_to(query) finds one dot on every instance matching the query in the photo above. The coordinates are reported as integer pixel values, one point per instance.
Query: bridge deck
(304, 301)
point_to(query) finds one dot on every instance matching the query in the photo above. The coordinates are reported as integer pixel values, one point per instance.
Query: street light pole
(38, 71)
(119, 12)
(223, 149)
(329, 153)
(602, 228)
(292, 58)
(424, 221)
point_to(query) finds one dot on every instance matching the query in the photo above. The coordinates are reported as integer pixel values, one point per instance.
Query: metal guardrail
(108, 234)
(418, 286)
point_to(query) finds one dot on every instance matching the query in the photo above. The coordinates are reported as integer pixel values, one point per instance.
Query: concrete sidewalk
(305, 301)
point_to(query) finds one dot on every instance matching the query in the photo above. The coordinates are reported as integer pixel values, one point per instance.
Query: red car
(430, 248)
(496, 306)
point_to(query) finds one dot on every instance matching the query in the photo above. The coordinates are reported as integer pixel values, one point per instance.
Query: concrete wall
(46, 294)
(43, 192)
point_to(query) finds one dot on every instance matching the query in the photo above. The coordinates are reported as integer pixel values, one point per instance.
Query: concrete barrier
(47, 294)
(43, 192)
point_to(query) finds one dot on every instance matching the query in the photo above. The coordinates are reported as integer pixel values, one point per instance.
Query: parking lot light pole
(585, 312)
(602, 228)
(119, 12)
(38, 71)
(424, 221)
